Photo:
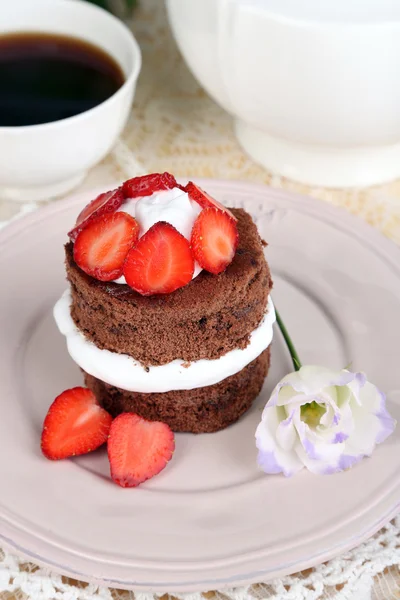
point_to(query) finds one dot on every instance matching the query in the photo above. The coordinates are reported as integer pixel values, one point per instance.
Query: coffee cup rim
(130, 77)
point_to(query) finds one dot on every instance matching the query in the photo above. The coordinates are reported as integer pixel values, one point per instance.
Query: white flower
(323, 420)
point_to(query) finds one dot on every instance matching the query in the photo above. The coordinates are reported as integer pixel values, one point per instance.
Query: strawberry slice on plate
(214, 240)
(74, 425)
(138, 449)
(101, 248)
(205, 200)
(105, 204)
(160, 263)
(148, 184)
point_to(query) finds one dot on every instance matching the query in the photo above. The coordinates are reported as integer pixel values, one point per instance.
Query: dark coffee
(46, 78)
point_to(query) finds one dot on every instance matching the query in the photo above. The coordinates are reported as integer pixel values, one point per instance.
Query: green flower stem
(292, 350)
(311, 412)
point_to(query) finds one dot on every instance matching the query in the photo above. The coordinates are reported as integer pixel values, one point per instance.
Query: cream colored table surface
(176, 127)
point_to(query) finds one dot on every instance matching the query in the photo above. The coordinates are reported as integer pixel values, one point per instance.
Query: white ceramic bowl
(41, 161)
(314, 86)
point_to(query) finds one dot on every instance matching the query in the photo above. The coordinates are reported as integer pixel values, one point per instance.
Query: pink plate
(211, 519)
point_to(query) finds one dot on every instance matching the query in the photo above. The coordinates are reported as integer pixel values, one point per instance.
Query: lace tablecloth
(176, 127)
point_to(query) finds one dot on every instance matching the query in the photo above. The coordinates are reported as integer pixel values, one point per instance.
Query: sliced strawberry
(214, 240)
(160, 263)
(101, 248)
(138, 449)
(205, 200)
(75, 424)
(148, 184)
(104, 204)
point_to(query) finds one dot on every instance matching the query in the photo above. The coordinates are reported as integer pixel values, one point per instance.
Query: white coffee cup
(42, 161)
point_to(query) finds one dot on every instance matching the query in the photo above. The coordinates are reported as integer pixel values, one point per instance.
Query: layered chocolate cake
(175, 325)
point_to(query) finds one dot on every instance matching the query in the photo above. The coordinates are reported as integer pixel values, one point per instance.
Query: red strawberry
(75, 424)
(205, 200)
(148, 184)
(214, 240)
(101, 248)
(104, 204)
(160, 263)
(138, 449)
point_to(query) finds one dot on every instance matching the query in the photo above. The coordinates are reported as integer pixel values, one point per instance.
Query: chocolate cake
(201, 410)
(212, 316)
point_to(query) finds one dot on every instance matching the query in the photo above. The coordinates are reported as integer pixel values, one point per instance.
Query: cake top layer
(206, 294)
(154, 235)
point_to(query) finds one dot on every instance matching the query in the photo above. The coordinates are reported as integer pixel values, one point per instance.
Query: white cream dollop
(128, 374)
(172, 206)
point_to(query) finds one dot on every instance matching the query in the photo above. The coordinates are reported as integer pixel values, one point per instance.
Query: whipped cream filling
(172, 206)
(124, 372)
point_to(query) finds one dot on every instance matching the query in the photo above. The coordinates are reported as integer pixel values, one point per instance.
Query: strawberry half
(138, 449)
(148, 184)
(205, 200)
(160, 263)
(105, 204)
(101, 248)
(214, 240)
(74, 425)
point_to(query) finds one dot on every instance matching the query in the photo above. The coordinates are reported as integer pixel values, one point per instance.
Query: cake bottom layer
(201, 410)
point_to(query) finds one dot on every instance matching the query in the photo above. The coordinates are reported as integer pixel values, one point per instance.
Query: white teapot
(314, 86)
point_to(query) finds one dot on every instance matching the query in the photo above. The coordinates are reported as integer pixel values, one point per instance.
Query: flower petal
(336, 434)
(387, 422)
(271, 458)
(314, 378)
(282, 393)
(373, 424)
(357, 385)
(309, 382)
(286, 434)
(347, 461)
(318, 467)
(315, 446)
(328, 417)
